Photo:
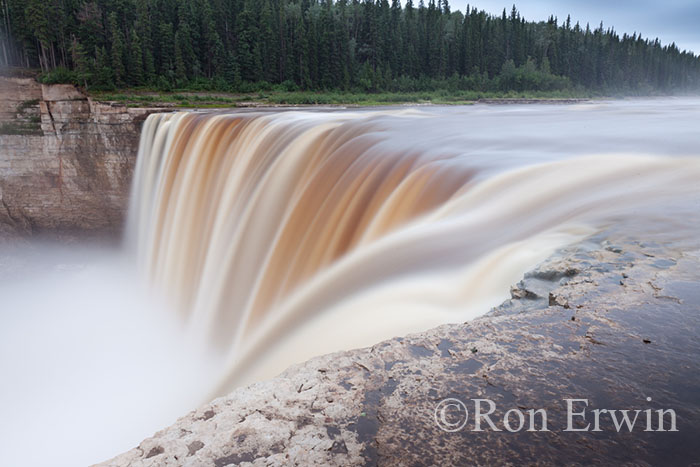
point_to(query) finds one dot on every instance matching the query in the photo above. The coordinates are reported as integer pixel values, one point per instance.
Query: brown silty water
(260, 226)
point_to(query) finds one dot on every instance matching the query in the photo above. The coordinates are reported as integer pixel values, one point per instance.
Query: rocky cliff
(65, 161)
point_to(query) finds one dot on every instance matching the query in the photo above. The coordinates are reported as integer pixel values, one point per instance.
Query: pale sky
(671, 20)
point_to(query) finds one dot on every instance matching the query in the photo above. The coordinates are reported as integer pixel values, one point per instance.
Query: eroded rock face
(65, 161)
(613, 324)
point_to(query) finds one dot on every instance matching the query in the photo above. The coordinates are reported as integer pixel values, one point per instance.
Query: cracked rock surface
(66, 162)
(615, 324)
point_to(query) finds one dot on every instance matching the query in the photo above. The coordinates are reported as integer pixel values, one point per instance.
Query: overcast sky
(670, 20)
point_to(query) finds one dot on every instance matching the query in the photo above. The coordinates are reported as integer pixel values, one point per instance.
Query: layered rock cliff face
(65, 161)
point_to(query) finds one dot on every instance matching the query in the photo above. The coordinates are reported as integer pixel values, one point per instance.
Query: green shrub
(60, 75)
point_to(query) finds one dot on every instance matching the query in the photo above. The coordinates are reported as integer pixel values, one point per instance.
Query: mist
(91, 363)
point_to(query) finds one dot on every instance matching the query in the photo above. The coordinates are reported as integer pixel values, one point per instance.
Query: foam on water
(269, 238)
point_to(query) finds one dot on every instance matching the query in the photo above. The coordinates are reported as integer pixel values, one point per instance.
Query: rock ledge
(613, 324)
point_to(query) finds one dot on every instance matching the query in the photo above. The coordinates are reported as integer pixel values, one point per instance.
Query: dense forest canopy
(366, 45)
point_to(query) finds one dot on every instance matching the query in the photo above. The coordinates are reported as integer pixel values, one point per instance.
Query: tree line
(368, 45)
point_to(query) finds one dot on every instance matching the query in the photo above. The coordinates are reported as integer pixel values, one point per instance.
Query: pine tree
(37, 21)
(268, 49)
(104, 78)
(135, 64)
(166, 68)
(117, 53)
(81, 62)
(180, 68)
(231, 73)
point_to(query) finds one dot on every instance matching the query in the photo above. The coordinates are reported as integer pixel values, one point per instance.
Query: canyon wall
(65, 160)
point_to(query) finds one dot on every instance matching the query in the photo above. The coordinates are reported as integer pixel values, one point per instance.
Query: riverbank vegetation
(276, 97)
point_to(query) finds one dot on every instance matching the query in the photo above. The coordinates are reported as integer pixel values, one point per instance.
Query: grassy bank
(185, 99)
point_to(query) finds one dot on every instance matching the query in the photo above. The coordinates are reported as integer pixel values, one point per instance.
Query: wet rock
(382, 410)
(519, 292)
(558, 300)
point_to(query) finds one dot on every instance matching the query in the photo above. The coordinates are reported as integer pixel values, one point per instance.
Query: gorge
(274, 237)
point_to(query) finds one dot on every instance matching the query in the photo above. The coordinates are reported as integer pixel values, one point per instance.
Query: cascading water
(274, 237)
(258, 227)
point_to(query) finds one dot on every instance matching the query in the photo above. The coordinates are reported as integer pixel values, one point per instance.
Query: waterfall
(263, 239)
(282, 236)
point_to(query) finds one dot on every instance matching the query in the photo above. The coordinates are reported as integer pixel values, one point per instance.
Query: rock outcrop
(616, 325)
(65, 161)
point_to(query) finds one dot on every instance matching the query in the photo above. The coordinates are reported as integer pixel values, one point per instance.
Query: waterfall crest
(261, 227)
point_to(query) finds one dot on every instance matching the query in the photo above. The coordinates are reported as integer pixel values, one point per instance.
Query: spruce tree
(81, 63)
(135, 64)
(117, 52)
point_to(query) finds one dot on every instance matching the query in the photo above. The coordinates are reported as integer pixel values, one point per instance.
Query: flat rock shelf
(612, 323)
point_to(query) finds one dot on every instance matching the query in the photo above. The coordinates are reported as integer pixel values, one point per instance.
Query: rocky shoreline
(611, 323)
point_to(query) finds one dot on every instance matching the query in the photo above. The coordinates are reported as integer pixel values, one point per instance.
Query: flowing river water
(257, 240)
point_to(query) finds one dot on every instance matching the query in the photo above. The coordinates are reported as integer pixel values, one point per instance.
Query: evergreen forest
(315, 45)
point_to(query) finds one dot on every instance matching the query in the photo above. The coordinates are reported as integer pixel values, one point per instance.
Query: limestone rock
(615, 347)
(65, 161)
